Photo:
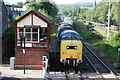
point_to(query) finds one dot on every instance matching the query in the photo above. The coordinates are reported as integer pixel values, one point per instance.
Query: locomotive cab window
(71, 47)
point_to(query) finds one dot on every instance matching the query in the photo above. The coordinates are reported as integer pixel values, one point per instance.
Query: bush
(109, 50)
(115, 40)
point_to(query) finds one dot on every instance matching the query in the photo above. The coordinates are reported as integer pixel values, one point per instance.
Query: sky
(56, 1)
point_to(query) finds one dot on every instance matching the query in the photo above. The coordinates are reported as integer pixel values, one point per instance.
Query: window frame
(32, 42)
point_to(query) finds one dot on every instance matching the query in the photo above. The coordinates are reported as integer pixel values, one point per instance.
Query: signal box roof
(36, 13)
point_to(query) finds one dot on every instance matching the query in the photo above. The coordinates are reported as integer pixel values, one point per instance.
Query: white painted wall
(26, 45)
(25, 21)
(28, 21)
(38, 21)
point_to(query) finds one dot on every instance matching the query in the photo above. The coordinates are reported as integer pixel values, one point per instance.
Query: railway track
(98, 65)
(92, 68)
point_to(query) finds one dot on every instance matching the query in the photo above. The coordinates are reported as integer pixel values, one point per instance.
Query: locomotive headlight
(67, 47)
(63, 60)
(75, 47)
(79, 61)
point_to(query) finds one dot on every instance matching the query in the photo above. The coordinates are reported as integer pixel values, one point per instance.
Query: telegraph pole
(108, 28)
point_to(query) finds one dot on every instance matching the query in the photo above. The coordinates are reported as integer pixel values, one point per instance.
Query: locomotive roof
(68, 31)
(70, 36)
(63, 26)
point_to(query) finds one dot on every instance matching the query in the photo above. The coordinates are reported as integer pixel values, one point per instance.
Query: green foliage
(114, 14)
(118, 17)
(17, 18)
(90, 35)
(114, 40)
(103, 12)
(70, 7)
(53, 32)
(34, 6)
(108, 47)
(18, 5)
(103, 33)
(47, 8)
(110, 51)
(90, 14)
(100, 13)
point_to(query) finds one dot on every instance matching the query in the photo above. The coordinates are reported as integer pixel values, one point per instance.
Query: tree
(47, 8)
(18, 5)
(119, 16)
(115, 40)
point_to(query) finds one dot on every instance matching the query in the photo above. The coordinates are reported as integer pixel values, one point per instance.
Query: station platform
(29, 67)
(7, 72)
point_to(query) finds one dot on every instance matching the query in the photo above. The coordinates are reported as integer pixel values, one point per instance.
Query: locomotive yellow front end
(71, 51)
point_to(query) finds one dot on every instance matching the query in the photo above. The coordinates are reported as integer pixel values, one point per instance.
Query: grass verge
(103, 33)
(98, 38)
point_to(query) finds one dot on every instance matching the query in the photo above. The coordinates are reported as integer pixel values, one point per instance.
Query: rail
(100, 61)
(93, 66)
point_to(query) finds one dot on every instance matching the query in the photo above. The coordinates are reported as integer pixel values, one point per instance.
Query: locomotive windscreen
(71, 47)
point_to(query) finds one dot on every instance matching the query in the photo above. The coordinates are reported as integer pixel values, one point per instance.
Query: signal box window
(36, 37)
